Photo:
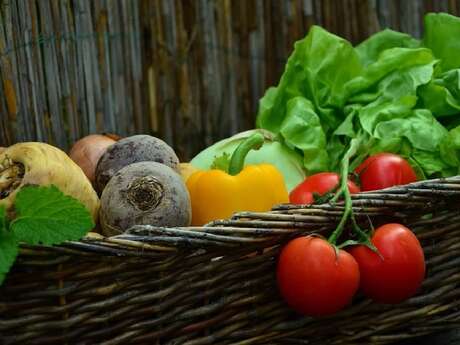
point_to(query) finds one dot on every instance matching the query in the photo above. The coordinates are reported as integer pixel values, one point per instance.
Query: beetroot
(144, 193)
(137, 148)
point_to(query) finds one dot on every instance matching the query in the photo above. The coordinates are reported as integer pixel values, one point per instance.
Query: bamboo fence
(189, 71)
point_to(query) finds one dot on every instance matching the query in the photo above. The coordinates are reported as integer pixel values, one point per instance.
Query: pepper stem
(254, 142)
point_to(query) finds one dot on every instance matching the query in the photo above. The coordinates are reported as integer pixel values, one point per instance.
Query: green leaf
(4, 224)
(424, 132)
(221, 162)
(46, 215)
(450, 148)
(370, 49)
(417, 168)
(420, 127)
(302, 129)
(265, 119)
(397, 96)
(397, 71)
(347, 127)
(431, 162)
(317, 70)
(8, 252)
(442, 32)
(442, 95)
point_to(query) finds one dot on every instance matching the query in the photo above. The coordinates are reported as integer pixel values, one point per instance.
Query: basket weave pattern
(216, 284)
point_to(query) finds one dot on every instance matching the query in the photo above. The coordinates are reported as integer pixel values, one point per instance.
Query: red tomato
(385, 170)
(313, 280)
(400, 273)
(321, 184)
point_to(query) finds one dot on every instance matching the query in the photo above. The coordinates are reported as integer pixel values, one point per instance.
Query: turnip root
(144, 193)
(137, 148)
(34, 163)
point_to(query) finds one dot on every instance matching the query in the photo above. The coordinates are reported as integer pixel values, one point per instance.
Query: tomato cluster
(320, 184)
(379, 171)
(316, 278)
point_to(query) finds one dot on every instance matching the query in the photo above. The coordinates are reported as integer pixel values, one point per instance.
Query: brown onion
(87, 151)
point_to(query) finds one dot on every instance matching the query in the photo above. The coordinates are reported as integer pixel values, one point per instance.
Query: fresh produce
(40, 164)
(319, 184)
(43, 215)
(87, 151)
(393, 100)
(144, 193)
(231, 187)
(314, 279)
(396, 272)
(273, 151)
(186, 170)
(385, 170)
(392, 93)
(137, 148)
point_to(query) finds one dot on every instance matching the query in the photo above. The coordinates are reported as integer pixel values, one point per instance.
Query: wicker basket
(216, 285)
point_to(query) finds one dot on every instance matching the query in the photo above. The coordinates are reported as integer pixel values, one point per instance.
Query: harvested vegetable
(396, 272)
(144, 193)
(87, 151)
(384, 170)
(137, 148)
(392, 93)
(218, 193)
(186, 170)
(314, 279)
(319, 185)
(394, 98)
(34, 163)
(273, 151)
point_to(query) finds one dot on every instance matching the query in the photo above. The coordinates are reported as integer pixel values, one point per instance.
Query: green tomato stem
(354, 145)
(336, 196)
(254, 142)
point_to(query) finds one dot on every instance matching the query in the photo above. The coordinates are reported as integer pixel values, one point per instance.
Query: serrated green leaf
(47, 216)
(8, 252)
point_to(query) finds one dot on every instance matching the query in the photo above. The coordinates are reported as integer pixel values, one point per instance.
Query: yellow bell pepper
(217, 194)
(186, 169)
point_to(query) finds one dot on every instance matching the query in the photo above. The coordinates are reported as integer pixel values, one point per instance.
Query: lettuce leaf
(317, 70)
(442, 32)
(370, 49)
(442, 95)
(302, 128)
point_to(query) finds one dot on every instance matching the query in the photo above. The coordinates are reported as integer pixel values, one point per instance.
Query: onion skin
(87, 151)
